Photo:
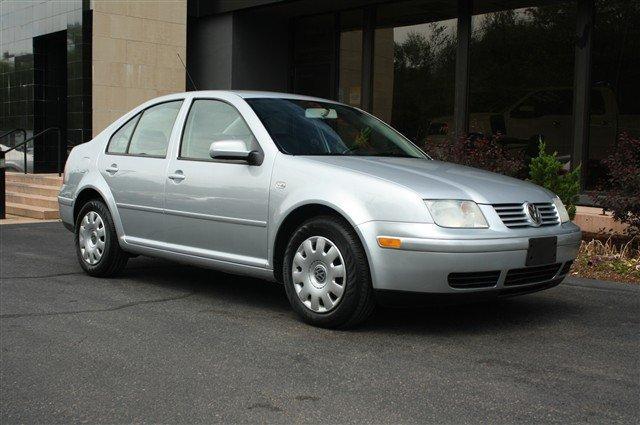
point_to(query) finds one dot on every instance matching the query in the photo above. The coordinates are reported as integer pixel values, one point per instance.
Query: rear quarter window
(119, 141)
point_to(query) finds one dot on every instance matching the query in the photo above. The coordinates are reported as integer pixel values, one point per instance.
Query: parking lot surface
(171, 343)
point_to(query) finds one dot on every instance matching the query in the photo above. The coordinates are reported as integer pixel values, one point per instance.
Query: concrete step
(35, 189)
(31, 199)
(39, 179)
(32, 211)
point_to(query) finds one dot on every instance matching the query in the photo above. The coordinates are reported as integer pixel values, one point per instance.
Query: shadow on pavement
(254, 294)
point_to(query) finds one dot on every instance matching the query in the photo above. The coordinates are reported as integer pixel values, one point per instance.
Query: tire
(356, 301)
(110, 259)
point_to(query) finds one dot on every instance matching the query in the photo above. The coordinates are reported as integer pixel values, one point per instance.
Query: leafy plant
(546, 170)
(622, 197)
(481, 152)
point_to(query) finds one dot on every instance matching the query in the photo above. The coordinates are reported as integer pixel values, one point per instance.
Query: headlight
(562, 211)
(451, 213)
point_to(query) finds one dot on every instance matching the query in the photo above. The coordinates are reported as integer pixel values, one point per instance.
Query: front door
(134, 167)
(216, 209)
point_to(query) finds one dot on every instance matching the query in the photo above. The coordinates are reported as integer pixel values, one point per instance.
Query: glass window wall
(414, 78)
(521, 77)
(350, 63)
(615, 73)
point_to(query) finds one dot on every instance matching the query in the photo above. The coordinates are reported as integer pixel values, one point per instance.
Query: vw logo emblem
(533, 213)
(320, 273)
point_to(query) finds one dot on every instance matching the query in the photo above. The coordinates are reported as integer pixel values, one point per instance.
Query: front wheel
(326, 274)
(97, 246)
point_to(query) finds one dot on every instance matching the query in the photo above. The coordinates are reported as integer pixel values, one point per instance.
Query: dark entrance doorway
(50, 103)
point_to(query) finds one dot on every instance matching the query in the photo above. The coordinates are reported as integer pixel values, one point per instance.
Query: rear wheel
(97, 246)
(326, 274)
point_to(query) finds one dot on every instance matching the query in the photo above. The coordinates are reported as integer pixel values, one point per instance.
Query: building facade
(80, 64)
(565, 72)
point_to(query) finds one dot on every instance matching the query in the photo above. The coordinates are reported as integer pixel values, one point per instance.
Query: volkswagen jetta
(323, 197)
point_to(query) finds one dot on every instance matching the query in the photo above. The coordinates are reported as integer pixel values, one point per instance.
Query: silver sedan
(325, 198)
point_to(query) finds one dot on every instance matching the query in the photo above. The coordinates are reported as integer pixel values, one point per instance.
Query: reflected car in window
(547, 114)
(320, 196)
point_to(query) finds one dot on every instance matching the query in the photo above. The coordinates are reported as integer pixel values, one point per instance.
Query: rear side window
(120, 139)
(209, 121)
(151, 135)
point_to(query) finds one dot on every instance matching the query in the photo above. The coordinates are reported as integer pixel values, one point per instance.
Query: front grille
(474, 279)
(566, 268)
(513, 215)
(531, 274)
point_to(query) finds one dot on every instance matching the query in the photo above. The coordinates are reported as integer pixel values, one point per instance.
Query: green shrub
(545, 170)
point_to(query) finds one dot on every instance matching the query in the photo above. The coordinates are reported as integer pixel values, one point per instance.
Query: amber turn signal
(389, 242)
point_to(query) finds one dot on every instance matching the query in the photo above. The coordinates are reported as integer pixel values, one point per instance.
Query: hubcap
(319, 274)
(91, 237)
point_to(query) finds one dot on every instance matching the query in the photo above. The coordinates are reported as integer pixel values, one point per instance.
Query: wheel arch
(293, 220)
(90, 190)
(84, 196)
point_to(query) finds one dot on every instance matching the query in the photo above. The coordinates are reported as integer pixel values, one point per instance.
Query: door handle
(177, 177)
(112, 169)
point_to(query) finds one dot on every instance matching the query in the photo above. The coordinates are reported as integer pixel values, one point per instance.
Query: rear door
(134, 166)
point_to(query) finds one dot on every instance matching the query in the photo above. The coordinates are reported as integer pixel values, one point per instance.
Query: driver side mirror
(234, 150)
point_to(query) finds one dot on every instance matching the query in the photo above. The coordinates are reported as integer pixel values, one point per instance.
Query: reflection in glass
(350, 63)
(27, 100)
(300, 127)
(615, 73)
(521, 76)
(313, 55)
(414, 74)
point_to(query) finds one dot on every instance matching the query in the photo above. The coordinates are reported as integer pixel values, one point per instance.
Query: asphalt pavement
(171, 343)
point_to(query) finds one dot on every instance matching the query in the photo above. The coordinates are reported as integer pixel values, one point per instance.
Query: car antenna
(187, 71)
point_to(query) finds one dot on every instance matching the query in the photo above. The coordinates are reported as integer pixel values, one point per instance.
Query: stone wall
(135, 47)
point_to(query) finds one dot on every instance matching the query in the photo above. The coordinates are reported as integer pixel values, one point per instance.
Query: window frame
(138, 115)
(224, 161)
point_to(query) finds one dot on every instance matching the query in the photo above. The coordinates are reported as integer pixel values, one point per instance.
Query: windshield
(305, 127)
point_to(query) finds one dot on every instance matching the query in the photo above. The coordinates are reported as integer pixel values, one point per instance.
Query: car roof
(255, 94)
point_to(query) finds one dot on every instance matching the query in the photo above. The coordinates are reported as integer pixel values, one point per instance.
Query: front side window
(303, 127)
(120, 140)
(209, 121)
(152, 134)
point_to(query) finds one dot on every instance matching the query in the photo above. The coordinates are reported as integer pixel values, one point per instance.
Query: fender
(292, 188)
(94, 180)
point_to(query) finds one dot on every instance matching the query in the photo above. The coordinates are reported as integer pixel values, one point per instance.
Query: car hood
(442, 180)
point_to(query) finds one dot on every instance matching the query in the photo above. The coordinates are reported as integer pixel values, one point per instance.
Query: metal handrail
(15, 130)
(24, 137)
(24, 142)
(3, 192)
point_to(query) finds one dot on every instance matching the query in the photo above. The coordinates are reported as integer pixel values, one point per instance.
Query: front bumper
(429, 254)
